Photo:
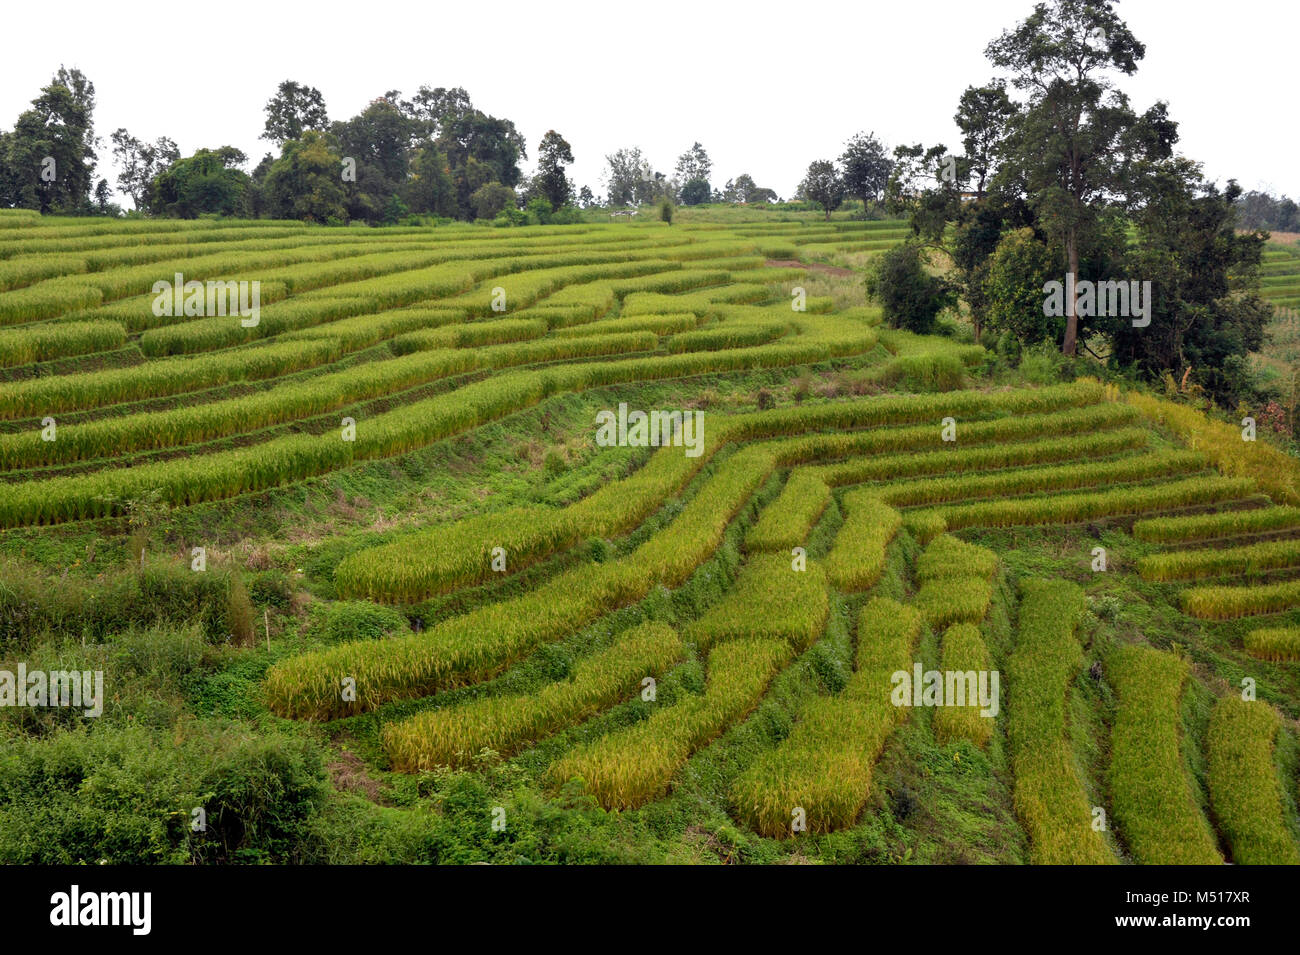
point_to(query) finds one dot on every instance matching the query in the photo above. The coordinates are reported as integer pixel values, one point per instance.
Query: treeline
(1260, 210)
(432, 155)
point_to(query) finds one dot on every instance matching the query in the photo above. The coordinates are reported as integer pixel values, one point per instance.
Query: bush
(510, 216)
(539, 211)
(1043, 364)
(360, 620)
(695, 192)
(1008, 349)
(258, 796)
(239, 613)
(491, 199)
(123, 795)
(1013, 289)
(566, 215)
(909, 296)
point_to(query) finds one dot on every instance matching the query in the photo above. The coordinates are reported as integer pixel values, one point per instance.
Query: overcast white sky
(766, 87)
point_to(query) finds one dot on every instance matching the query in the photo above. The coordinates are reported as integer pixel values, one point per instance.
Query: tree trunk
(1071, 319)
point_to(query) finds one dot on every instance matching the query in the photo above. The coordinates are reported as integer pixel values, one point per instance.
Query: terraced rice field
(709, 643)
(1280, 285)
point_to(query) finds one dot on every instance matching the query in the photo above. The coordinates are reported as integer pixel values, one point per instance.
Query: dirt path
(811, 266)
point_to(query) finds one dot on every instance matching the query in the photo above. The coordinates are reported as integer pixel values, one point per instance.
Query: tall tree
(304, 182)
(630, 178)
(553, 154)
(434, 109)
(823, 185)
(140, 162)
(694, 164)
(210, 181)
(49, 156)
(1076, 135)
(1205, 311)
(377, 140)
(983, 115)
(429, 188)
(480, 149)
(866, 167)
(293, 110)
(925, 185)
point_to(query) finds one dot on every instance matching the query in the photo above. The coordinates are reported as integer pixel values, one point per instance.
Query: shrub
(239, 612)
(360, 620)
(1013, 290)
(909, 296)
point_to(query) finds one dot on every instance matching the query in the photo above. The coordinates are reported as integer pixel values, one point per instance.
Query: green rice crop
(857, 560)
(963, 652)
(454, 735)
(1280, 644)
(1050, 797)
(1244, 789)
(825, 765)
(1150, 792)
(633, 766)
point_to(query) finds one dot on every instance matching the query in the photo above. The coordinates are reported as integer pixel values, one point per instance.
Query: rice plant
(824, 766)
(770, 599)
(1279, 644)
(964, 659)
(1227, 602)
(631, 767)
(1049, 793)
(454, 735)
(857, 560)
(1243, 782)
(1248, 559)
(1151, 797)
(1221, 524)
